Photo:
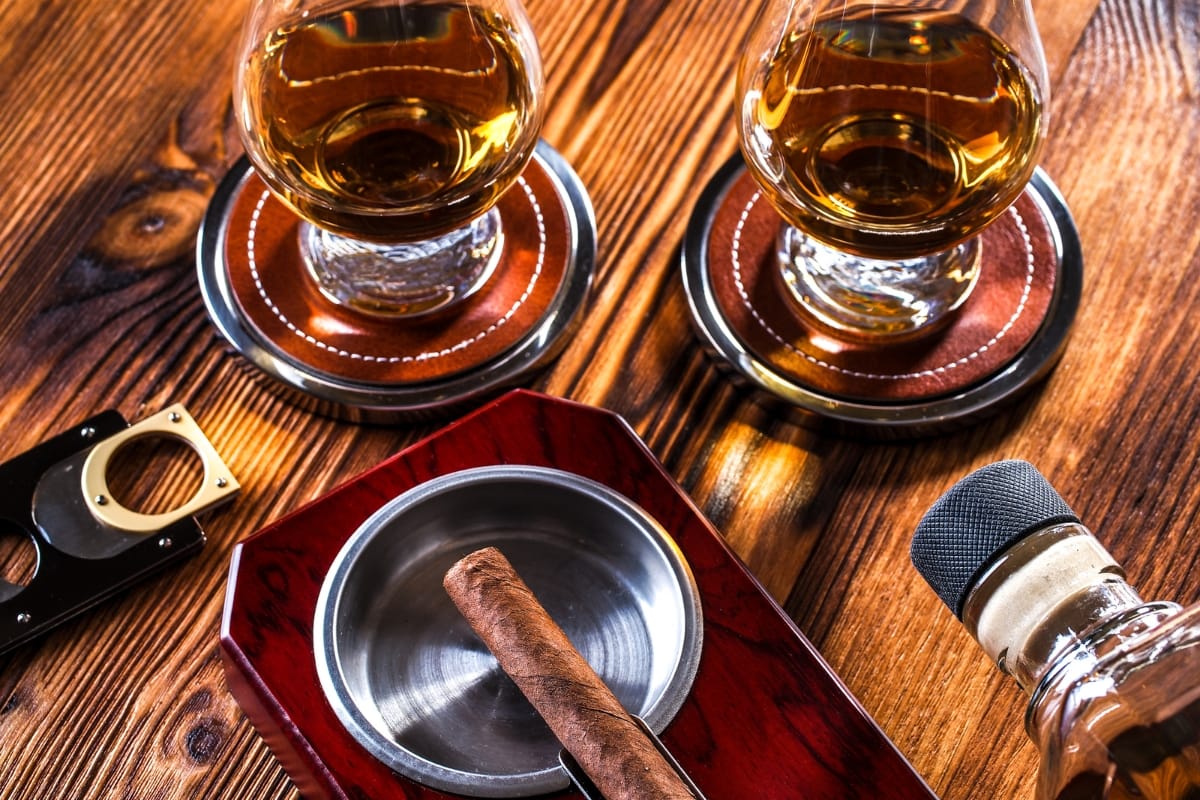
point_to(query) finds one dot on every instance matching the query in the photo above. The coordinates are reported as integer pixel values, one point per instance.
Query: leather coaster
(1003, 312)
(276, 295)
(367, 367)
(1005, 337)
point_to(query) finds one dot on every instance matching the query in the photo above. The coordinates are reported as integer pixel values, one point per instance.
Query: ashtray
(416, 687)
(342, 652)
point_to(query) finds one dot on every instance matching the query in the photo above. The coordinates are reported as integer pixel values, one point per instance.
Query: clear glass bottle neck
(1055, 598)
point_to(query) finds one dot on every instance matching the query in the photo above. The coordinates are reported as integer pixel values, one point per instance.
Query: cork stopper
(1020, 602)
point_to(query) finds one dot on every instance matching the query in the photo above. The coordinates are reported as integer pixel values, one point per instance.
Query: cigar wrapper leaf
(603, 738)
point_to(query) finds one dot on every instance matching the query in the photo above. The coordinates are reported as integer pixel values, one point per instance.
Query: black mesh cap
(977, 520)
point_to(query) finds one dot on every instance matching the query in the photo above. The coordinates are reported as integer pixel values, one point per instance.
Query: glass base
(871, 298)
(404, 280)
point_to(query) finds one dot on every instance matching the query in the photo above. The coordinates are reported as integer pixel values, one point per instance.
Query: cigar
(580, 709)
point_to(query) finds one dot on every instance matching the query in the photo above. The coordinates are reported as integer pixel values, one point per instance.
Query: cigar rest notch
(583, 783)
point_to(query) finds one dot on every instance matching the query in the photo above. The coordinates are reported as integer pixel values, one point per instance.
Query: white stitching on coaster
(737, 277)
(408, 359)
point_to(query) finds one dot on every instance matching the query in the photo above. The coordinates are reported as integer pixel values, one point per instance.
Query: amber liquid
(392, 124)
(1125, 755)
(892, 133)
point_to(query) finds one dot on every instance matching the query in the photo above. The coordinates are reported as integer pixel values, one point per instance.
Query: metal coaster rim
(386, 403)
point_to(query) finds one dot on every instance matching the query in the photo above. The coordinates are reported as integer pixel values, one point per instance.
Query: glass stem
(873, 297)
(404, 280)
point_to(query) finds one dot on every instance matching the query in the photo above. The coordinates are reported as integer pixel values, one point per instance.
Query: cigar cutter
(87, 544)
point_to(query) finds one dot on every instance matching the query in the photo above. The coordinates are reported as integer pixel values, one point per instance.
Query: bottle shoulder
(1128, 721)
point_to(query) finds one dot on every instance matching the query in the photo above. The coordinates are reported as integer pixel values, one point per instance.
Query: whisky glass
(391, 127)
(888, 135)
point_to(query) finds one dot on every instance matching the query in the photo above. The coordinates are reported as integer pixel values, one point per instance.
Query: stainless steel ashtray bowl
(413, 684)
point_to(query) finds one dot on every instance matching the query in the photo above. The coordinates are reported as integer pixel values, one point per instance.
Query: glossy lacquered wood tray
(765, 717)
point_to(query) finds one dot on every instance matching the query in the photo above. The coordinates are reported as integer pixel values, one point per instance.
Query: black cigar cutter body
(88, 545)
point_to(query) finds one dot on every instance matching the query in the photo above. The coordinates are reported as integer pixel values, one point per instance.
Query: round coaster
(1006, 335)
(261, 298)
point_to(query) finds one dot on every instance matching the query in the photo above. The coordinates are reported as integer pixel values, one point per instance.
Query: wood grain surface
(114, 128)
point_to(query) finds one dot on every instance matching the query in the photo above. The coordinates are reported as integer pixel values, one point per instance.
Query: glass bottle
(1114, 681)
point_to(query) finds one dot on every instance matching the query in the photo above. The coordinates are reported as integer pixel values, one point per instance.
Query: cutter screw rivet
(24, 618)
(222, 483)
(165, 543)
(174, 416)
(87, 432)
(101, 500)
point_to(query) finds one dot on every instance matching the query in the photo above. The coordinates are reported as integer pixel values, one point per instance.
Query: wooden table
(115, 127)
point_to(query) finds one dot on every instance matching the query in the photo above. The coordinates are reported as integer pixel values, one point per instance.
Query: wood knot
(199, 701)
(156, 228)
(204, 740)
(16, 700)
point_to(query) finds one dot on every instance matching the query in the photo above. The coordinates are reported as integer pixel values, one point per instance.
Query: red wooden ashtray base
(766, 718)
